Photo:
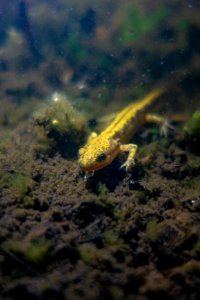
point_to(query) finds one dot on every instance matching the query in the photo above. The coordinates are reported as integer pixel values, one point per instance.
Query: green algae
(89, 253)
(3, 146)
(5, 143)
(152, 229)
(60, 115)
(38, 252)
(18, 183)
(111, 238)
(60, 127)
(137, 24)
(33, 251)
(27, 201)
(192, 128)
(102, 190)
(21, 183)
(43, 143)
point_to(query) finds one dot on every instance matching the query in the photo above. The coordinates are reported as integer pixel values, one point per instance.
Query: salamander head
(98, 153)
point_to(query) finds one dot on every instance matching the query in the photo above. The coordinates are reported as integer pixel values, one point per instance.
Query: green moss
(111, 238)
(192, 128)
(27, 202)
(136, 24)
(60, 115)
(152, 229)
(104, 199)
(60, 127)
(33, 251)
(18, 183)
(3, 146)
(88, 253)
(38, 251)
(6, 180)
(44, 143)
(102, 190)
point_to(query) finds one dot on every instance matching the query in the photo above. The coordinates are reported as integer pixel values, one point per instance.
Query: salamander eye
(101, 157)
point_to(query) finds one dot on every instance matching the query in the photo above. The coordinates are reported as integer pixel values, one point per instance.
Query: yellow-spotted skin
(102, 149)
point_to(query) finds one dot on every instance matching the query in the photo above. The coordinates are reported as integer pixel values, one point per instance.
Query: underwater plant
(191, 131)
(192, 127)
(59, 127)
(136, 24)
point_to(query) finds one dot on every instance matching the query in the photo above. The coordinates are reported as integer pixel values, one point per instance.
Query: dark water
(98, 54)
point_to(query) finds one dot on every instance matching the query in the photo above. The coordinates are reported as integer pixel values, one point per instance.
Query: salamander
(101, 149)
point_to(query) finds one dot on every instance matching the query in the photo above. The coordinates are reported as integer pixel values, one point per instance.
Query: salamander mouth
(94, 162)
(92, 167)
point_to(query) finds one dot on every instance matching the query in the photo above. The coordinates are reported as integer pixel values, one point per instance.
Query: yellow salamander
(102, 149)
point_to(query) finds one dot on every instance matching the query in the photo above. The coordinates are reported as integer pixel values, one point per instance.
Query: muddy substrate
(116, 236)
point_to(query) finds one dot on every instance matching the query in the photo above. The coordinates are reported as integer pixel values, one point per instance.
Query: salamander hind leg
(161, 121)
(132, 149)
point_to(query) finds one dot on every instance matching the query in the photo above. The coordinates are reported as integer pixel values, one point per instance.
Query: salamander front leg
(132, 149)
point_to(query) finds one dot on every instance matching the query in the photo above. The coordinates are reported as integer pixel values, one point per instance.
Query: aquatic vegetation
(43, 144)
(89, 254)
(152, 229)
(38, 251)
(135, 23)
(102, 190)
(17, 183)
(192, 129)
(3, 146)
(59, 127)
(28, 202)
(112, 239)
(33, 251)
(93, 256)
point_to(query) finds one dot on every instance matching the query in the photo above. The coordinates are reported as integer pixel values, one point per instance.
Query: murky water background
(98, 54)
